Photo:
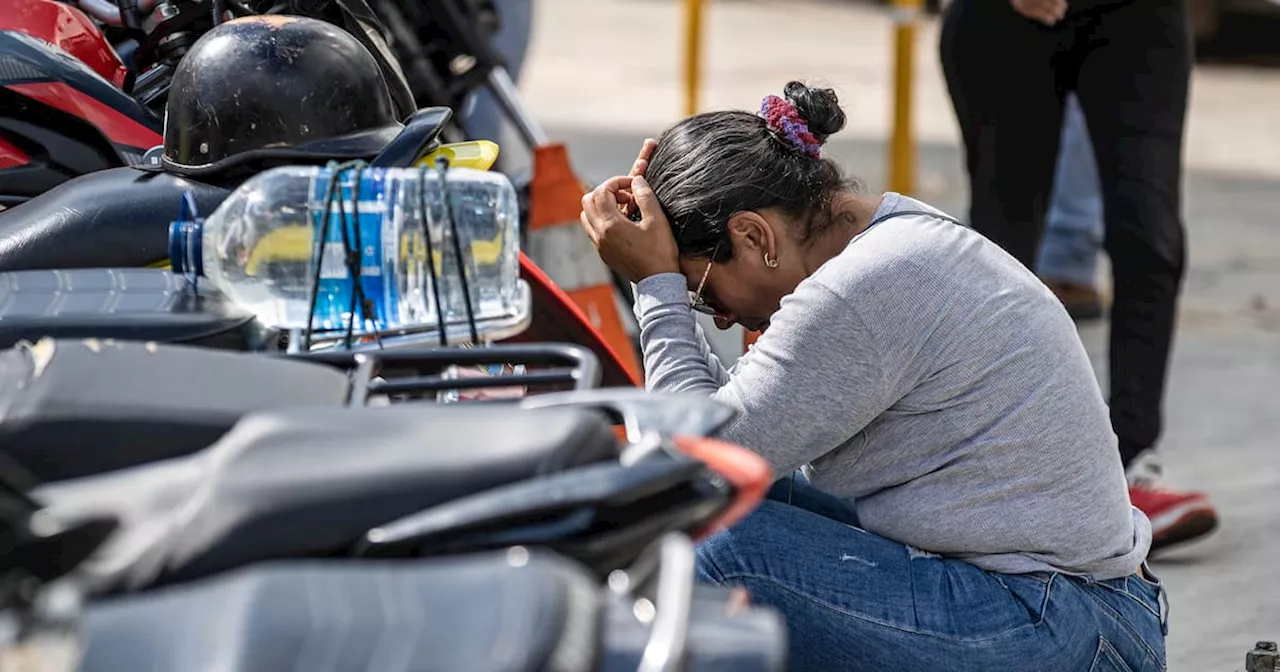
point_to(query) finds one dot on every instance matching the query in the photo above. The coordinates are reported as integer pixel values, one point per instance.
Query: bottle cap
(186, 239)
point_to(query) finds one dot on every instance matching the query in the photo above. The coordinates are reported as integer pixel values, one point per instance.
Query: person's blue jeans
(481, 115)
(1073, 228)
(857, 601)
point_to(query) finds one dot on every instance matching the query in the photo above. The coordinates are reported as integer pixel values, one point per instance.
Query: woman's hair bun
(819, 108)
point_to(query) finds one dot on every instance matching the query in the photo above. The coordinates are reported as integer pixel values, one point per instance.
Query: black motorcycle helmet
(275, 87)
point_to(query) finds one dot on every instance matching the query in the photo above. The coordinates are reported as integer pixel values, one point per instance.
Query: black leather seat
(141, 304)
(73, 408)
(476, 613)
(302, 481)
(112, 218)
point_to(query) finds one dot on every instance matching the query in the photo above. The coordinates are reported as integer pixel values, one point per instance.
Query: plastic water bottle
(259, 247)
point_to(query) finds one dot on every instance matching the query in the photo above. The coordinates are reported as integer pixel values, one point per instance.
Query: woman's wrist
(661, 289)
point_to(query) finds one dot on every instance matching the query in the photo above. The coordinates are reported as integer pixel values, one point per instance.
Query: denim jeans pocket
(1135, 622)
(1146, 576)
(1107, 659)
(1141, 592)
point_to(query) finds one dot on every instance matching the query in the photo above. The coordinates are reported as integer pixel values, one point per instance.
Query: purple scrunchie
(783, 119)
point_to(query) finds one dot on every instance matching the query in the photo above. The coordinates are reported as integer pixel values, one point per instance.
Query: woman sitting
(963, 506)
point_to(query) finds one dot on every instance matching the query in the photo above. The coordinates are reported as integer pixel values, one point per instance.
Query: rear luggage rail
(414, 373)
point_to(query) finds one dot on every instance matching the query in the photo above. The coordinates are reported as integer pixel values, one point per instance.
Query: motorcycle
(645, 615)
(174, 431)
(506, 612)
(509, 611)
(495, 486)
(134, 303)
(72, 106)
(112, 217)
(145, 402)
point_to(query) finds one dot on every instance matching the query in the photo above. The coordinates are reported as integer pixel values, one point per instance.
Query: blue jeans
(1073, 228)
(481, 115)
(857, 601)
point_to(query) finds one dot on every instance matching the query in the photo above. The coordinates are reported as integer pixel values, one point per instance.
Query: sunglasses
(695, 298)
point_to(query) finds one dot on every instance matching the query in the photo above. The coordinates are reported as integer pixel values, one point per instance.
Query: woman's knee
(728, 552)
(804, 547)
(774, 534)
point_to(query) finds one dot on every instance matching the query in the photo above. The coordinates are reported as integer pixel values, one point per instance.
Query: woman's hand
(636, 250)
(641, 164)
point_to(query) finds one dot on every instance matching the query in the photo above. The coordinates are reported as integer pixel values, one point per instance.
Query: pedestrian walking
(1009, 66)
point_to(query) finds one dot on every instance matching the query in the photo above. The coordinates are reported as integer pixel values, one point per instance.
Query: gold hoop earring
(771, 263)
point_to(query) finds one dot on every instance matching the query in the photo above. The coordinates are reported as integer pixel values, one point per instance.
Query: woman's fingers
(589, 227)
(589, 209)
(600, 212)
(624, 195)
(646, 153)
(615, 200)
(615, 185)
(636, 250)
(605, 200)
(644, 198)
(638, 168)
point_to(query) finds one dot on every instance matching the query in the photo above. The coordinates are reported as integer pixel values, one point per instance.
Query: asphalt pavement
(604, 74)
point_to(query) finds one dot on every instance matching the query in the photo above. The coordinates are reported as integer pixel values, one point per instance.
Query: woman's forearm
(677, 357)
(793, 403)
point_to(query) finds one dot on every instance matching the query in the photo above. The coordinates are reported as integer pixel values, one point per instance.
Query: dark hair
(712, 165)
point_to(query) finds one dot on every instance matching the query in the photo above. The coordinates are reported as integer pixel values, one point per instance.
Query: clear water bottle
(259, 248)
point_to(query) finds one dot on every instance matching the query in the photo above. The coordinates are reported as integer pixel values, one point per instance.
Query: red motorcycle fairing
(71, 30)
(557, 318)
(11, 156)
(121, 130)
(60, 119)
(43, 72)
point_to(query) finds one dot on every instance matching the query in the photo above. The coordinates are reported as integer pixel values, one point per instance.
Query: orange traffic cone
(562, 249)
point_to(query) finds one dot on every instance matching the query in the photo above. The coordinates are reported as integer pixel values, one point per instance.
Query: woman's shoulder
(906, 241)
(897, 206)
(917, 258)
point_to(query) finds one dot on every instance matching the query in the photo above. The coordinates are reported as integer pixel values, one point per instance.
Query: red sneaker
(1176, 517)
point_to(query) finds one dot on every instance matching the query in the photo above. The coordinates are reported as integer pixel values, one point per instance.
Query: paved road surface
(603, 74)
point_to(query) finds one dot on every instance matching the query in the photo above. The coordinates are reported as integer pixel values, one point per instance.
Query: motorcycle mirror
(421, 131)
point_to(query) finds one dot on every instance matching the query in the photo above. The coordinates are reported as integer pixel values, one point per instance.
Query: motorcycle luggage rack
(424, 371)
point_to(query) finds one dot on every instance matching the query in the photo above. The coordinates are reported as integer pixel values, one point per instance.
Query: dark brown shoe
(1083, 303)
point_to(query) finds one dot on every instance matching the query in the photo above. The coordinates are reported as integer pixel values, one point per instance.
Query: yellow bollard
(692, 54)
(902, 150)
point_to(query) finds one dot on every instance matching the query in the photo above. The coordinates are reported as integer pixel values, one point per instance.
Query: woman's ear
(753, 234)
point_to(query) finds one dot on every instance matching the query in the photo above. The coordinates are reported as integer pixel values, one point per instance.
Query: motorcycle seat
(136, 304)
(305, 481)
(110, 218)
(142, 402)
(479, 613)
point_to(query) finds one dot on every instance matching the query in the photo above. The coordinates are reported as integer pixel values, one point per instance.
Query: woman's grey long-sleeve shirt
(931, 378)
